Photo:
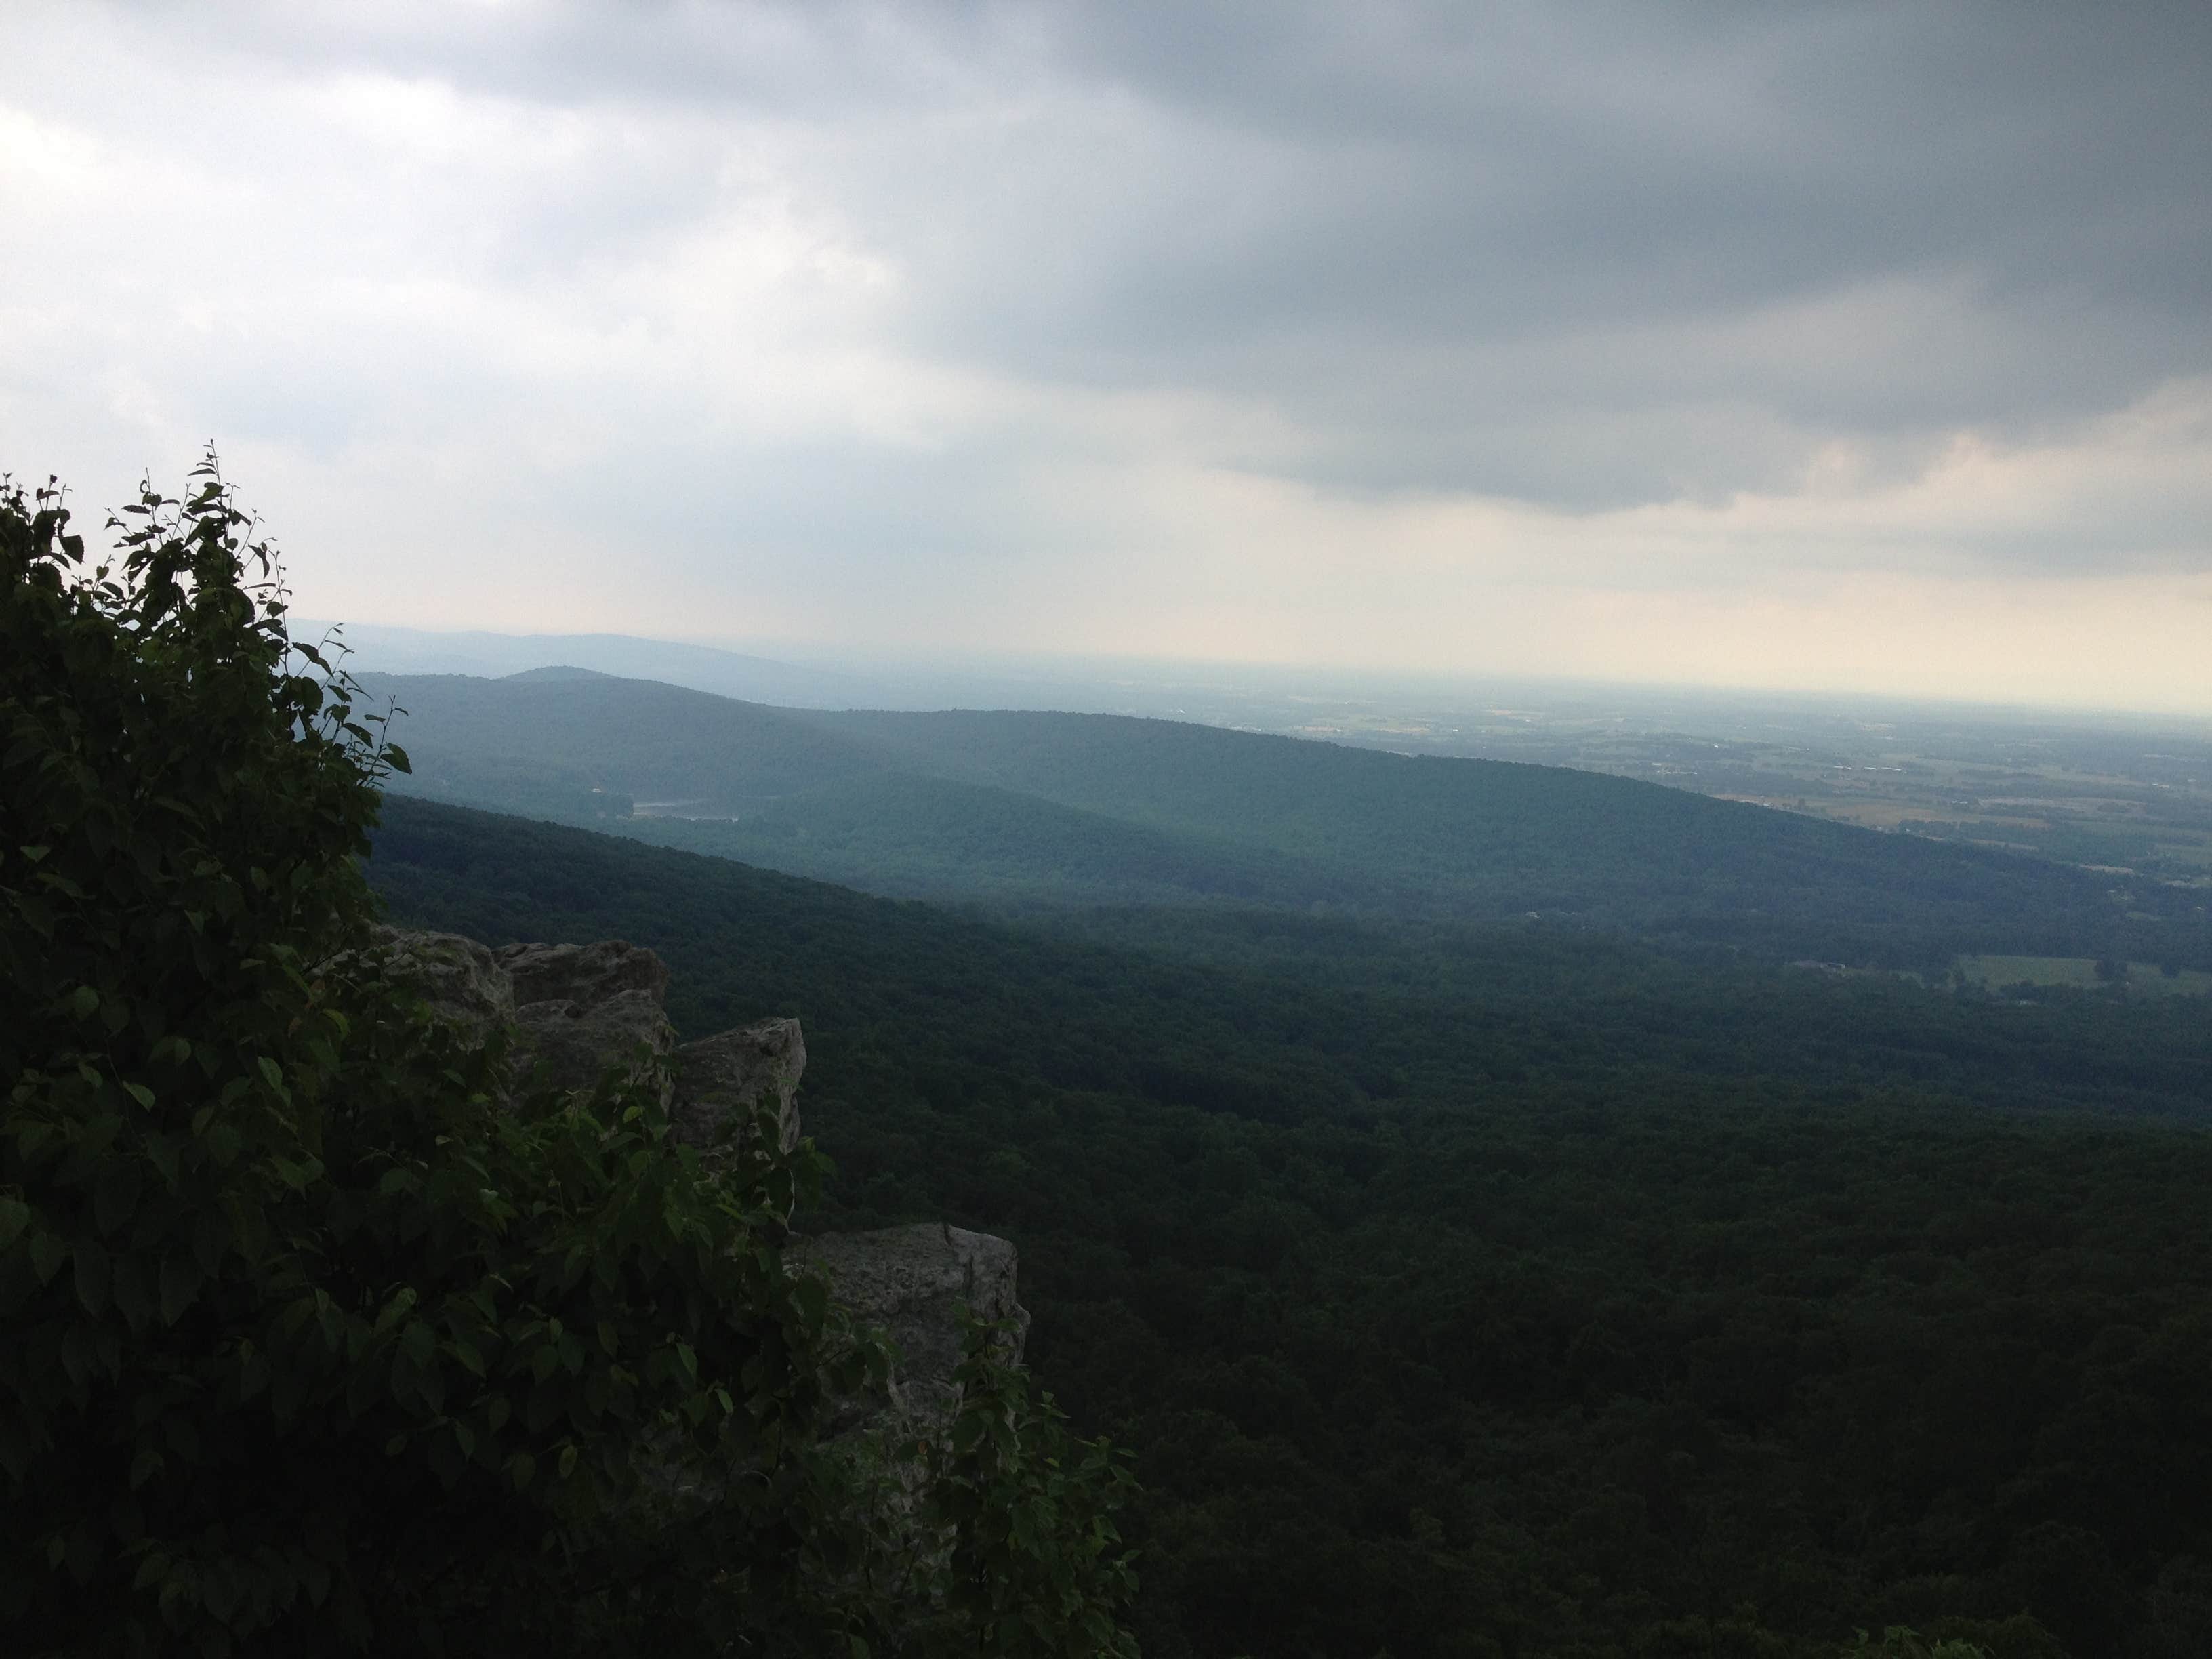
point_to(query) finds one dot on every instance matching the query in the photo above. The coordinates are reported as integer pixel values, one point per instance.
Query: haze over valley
(2124, 798)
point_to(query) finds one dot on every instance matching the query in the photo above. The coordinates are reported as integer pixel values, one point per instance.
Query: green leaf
(161, 1153)
(15, 1215)
(84, 1002)
(812, 1297)
(93, 1276)
(181, 1279)
(115, 1193)
(127, 1285)
(396, 1307)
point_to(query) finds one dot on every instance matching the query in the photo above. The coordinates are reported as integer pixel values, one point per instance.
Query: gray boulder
(580, 1009)
(575, 1042)
(734, 1074)
(911, 1282)
(462, 981)
(585, 974)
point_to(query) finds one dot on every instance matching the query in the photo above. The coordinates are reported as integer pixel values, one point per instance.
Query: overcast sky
(1861, 346)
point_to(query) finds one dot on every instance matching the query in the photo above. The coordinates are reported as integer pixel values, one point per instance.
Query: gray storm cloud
(1426, 231)
(996, 314)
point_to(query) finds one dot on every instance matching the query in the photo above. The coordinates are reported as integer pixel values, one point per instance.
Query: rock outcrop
(462, 981)
(733, 1075)
(582, 1008)
(590, 974)
(912, 1282)
(578, 1010)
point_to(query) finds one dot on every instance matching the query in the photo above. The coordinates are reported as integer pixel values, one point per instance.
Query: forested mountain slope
(1530, 1294)
(640, 737)
(1083, 809)
(1294, 1016)
(923, 837)
(1488, 839)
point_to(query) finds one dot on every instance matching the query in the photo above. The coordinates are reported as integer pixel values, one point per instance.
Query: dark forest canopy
(1494, 1293)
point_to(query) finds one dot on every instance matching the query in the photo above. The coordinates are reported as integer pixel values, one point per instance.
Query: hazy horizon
(1849, 350)
(834, 662)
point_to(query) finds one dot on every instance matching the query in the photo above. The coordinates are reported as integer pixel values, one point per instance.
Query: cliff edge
(578, 1010)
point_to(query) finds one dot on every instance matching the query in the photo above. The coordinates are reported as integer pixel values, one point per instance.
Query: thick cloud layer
(1436, 335)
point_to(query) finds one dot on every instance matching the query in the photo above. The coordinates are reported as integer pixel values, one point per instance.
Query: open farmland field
(2144, 978)
(2127, 796)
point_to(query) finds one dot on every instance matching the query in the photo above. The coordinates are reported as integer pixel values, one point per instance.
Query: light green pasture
(2143, 977)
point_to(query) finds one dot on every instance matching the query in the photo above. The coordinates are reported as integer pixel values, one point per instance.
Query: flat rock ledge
(579, 1009)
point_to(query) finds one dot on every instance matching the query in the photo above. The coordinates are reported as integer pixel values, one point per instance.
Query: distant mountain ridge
(556, 672)
(651, 741)
(380, 649)
(1088, 809)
